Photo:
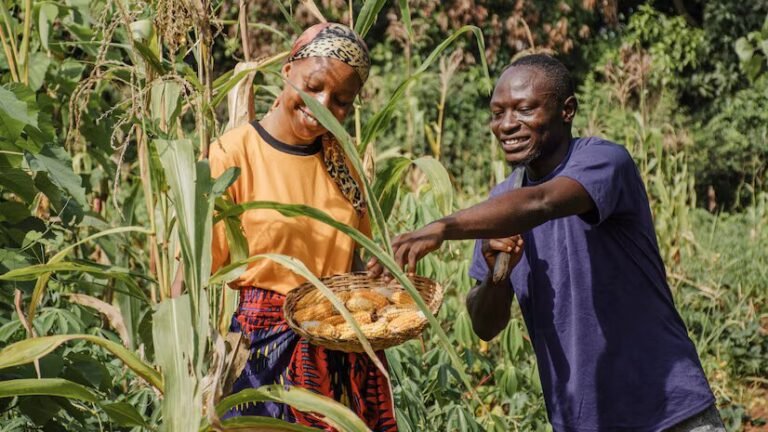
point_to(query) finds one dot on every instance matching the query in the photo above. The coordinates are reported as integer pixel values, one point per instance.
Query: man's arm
(507, 214)
(489, 306)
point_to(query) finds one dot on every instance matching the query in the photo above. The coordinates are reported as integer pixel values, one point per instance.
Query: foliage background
(682, 84)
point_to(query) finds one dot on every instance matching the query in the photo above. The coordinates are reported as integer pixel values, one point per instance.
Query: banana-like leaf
(300, 269)
(328, 410)
(124, 414)
(42, 281)
(381, 119)
(46, 387)
(293, 210)
(261, 424)
(367, 16)
(29, 350)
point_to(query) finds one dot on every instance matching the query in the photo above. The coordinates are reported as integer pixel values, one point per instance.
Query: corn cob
(371, 330)
(360, 317)
(318, 312)
(385, 291)
(366, 300)
(309, 325)
(390, 312)
(309, 299)
(406, 321)
(402, 298)
(325, 330)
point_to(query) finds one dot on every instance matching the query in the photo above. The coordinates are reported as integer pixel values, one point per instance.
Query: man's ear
(569, 109)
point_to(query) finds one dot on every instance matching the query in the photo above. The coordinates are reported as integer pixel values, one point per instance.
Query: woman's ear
(286, 71)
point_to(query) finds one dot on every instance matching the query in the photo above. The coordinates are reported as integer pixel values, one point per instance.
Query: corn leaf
(264, 424)
(367, 16)
(328, 410)
(46, 387)
(29, 350)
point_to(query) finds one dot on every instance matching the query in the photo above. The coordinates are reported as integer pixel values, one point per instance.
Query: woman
(289, 157)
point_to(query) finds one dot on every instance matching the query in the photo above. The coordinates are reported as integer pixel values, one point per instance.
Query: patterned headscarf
(333, 41)
(341, 43)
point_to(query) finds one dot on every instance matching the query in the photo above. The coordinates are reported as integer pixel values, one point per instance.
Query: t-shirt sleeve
(478, 269)
(220, 160)
(603, 169)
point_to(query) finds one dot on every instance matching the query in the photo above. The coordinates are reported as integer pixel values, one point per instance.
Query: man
(613, 353)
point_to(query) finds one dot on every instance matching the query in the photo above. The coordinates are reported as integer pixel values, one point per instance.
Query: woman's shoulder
(232, 146)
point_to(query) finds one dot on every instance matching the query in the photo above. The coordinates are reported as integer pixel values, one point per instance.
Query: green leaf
(55, 161)
(150, 57)
(405, 14)
(14, 115)
(47, 387)
(165, 103)
(367, 16)
(744, 49)
(180, 358)
(18, 182)
(388, 180)
(29, 350)
(328, 410)
(38, 67)
(47, 15)
(254, 423)
(42, 281)
(439, 180)
(124, 414)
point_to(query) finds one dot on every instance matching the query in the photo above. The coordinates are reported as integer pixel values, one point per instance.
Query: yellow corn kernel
(406, 321)
(309, 299)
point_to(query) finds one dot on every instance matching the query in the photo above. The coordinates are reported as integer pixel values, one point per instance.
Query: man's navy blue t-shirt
(613, 353)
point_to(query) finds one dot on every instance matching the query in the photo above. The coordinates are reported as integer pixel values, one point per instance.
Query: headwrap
(339, 42)
(333, 41)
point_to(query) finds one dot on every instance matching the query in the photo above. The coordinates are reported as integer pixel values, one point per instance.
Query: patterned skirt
(280, 356)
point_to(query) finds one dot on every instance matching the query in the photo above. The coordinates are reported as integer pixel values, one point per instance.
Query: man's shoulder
(601, 148)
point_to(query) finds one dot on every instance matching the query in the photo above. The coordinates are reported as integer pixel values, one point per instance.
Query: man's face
(526, 116)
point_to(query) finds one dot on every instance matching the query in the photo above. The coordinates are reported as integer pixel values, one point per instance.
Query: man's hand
(409, 248)
(511, 245)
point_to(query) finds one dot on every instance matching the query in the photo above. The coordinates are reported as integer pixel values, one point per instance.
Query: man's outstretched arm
(505, 215)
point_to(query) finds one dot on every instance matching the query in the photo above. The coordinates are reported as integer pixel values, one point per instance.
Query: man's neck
(545, 164)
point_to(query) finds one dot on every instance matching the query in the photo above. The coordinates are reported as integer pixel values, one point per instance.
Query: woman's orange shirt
(273, 171)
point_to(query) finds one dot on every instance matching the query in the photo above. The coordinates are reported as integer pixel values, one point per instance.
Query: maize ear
(360, 317)
(371, 330)
(390, 312)
(309, 299)
(318, 312)
(366, 301)
(402, 298)
(406, 321)
(385, 291)
(325, 330)
(309, 325)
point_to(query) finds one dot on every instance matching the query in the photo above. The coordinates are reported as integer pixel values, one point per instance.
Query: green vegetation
(106, 105)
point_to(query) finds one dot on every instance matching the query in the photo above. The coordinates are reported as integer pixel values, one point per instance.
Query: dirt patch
(758, 410)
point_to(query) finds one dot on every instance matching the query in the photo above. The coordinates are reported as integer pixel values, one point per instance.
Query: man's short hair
(556, 73)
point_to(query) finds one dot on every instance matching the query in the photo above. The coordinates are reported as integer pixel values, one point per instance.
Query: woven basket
(430, 291)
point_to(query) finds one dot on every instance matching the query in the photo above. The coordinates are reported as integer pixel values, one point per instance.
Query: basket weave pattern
(430, 291)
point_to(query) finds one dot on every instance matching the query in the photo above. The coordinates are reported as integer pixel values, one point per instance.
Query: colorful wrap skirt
(280, 356)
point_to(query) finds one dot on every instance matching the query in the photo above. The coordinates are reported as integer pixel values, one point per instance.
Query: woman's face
(331, 82)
